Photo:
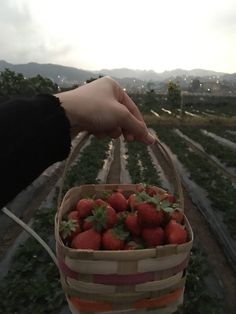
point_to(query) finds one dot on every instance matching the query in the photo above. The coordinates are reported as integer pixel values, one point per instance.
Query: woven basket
(121, 281)
(127, 281)
(132, 281)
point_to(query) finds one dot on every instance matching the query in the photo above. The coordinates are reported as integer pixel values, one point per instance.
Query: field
(203, 147)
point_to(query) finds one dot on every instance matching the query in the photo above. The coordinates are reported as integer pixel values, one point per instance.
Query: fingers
(133, 128)
(130, 105)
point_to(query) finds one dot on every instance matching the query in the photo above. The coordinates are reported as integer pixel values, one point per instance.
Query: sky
(154, 35)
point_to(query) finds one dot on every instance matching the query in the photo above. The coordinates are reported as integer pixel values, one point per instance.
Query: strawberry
(84, 207)
(99, 202)
(177, 215)
(73, 215)
(132, 201)
(87, 240)
(133, 225)
(114, 239)
(151, 190)
(149, 215)
(87, 224)
(118, 201)
(69, 229)
(103, 217)
(168, 197)
(175, 233)
(140, 187)
(133, 245)
(153, 236)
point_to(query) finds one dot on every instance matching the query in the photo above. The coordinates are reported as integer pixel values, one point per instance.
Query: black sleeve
(34, 133)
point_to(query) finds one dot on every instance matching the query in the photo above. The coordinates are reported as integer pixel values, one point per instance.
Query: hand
(104, 109)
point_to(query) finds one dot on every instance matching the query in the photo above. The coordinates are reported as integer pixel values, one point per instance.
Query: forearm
(35, 133)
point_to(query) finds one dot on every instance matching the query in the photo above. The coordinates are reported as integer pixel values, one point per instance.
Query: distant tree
(195, 86)
(12, 83)
(93, 79)
(174, 97)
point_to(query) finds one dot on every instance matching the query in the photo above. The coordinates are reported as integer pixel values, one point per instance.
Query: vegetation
(12, 83)
(32, 284)
(197, 299)
(174, 97)
(221, 191)
(223, 153)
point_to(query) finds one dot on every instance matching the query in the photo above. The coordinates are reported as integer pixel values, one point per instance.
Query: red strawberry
(84, 207)
(133, 225)
(168, 197)
(103, 217)
(153, 236)
(178, 216)
(151, 190)
(118, 201)
(114, 239)
(111, 217)
(99, 202)
(132, 201)
(73, 215)
(87, 240)
(175, 233)
(149, 215)
(87, 224)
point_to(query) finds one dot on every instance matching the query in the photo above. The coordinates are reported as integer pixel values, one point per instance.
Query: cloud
(21, 39)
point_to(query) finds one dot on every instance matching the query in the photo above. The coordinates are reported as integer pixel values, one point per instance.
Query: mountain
(67, 76)
(129, 73)
(152, 75)
(60, 74)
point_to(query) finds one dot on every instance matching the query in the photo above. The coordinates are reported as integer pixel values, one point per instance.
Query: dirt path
(210, 246)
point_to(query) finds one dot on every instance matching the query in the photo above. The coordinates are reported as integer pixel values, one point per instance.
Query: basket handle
(176, 173)
(31, 232)
(74, 150)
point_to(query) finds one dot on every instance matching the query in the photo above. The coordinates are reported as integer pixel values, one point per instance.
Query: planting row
(198, 298)
(226, 155)
(32, 285)
(221, 191)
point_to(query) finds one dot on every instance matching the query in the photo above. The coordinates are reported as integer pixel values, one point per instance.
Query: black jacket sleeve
(34, 133)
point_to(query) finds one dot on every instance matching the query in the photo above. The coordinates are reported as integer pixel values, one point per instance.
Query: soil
(215, 256)
(214, 253)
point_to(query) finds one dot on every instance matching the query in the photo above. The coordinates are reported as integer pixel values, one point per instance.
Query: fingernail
(150, 139)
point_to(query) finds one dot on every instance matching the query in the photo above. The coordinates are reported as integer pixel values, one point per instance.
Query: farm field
(210, 204)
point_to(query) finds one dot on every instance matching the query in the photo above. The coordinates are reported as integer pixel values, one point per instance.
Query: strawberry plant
(223, 153)
(32, 285)
(221, 191)
(140, 165)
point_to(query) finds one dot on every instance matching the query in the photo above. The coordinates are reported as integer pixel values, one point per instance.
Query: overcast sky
(139, 34)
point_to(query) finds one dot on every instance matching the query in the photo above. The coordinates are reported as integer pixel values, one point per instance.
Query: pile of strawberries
(118, 221)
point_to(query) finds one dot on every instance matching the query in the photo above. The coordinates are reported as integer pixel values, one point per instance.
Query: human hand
(104, 109)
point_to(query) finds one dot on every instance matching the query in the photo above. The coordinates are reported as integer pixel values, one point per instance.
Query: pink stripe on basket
(66, 270)
(124, 279)
(115, 279)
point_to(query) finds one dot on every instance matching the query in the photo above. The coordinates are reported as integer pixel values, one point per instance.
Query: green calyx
(164, 205)
(67, 227)
(98, 218)
(120, 232)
